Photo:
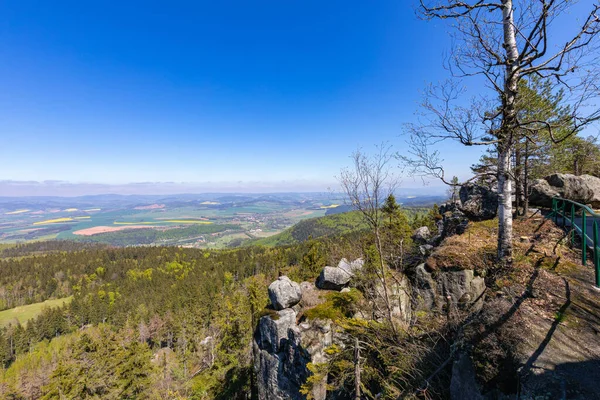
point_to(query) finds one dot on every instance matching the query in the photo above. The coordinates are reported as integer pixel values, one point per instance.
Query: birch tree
(501, 43)
(367, 184)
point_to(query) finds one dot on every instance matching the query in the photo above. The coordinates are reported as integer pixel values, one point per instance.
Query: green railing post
(572, 224)
(559, 209)
(596, 260)
(583, 238)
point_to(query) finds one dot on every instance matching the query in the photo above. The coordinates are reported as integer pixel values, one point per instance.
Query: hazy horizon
(9, 188)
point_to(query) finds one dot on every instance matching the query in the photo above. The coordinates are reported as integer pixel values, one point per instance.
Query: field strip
(30, 311)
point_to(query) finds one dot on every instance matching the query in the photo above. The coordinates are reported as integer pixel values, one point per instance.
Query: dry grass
(475, 249)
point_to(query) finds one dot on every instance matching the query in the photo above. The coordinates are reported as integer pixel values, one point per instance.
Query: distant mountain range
(68, 189)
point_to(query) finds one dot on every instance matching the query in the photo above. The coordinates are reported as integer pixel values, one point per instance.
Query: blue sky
(197, 91)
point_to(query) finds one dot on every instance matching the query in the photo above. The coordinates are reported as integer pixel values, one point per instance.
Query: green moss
(337, 306)
(271, 313)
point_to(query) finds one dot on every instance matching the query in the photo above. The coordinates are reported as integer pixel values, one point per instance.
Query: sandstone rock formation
(421, 235)
(478, 202)
(459, 288)
(582, 189)
(454, 221)
(335, 278)
(283, 348)
(284, 293)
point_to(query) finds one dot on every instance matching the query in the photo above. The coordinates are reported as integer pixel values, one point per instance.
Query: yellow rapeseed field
(53, 221)
(188, 221)
(16, 212)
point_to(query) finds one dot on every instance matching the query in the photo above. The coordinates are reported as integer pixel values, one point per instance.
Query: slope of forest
(328, 226)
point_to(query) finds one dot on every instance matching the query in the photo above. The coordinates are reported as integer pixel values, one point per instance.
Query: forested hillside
(331, 225)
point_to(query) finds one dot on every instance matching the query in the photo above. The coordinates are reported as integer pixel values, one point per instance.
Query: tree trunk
(356, 369)
(505, 136)
(518, 180)
(504, 208)
(526, 179)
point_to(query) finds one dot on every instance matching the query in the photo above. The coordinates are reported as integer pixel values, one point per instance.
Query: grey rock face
(421, 235)
(462, 288)
(454, 223)
(594, 184)
(478, 202)
(425, 249)
(582, 189)
(542, 193)
(284, 293)
(335, 278)
(283, 350)
(463, 385)
(351, 267)
(272, 332)
(425, 288)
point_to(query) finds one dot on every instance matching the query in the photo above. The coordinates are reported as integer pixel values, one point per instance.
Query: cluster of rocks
(283, 345)
(337, 278)
(582, 189)
(475, 203)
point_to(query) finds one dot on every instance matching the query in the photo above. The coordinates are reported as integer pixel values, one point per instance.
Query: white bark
(509, 124)
(504, 208)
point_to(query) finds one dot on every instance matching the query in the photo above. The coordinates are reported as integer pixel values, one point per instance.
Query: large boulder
(594, 184)
(463, 385)
(351, 267)
(582, 189)
(284, 293)
(453, 223)
(399, 293)
(333, 278)
(478, 203)
(421, 235)
(542, 193)
(336, 278)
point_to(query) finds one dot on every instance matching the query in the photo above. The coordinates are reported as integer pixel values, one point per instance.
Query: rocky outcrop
(454, 222)
(333, 278)
(351, 267)
(336, 278)
(594, 184)
(283, 348)
(582, 189)
(478, 202)
(284, 293)
(425, 249)
(459, 288)
(463, 385)
(279, 361)
(421, 235)
(542, 193)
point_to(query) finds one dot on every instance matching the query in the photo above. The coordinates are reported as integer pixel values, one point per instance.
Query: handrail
(558, 209)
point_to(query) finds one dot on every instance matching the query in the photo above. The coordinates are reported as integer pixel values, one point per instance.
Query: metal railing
(578, 217)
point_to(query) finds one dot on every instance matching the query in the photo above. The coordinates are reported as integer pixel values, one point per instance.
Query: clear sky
(209, 91)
